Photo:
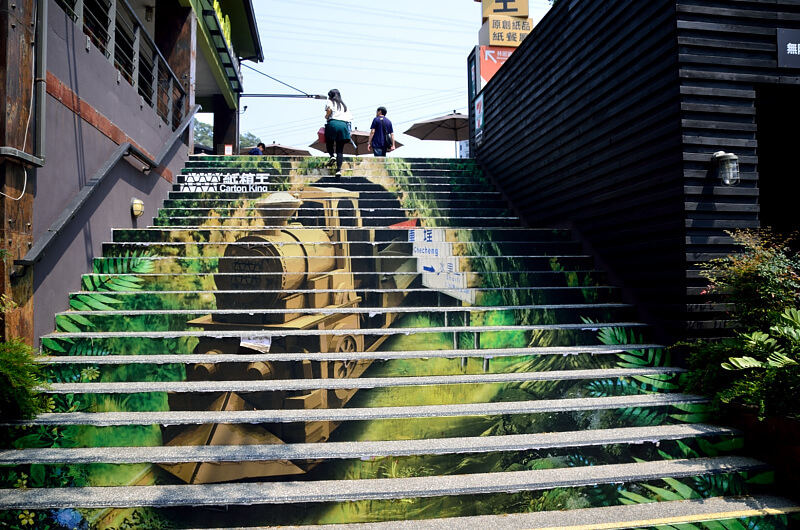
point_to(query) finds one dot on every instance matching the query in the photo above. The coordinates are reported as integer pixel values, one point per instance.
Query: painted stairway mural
(282, 347)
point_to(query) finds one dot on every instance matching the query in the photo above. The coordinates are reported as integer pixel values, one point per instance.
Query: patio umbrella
(279, 150)
(360, 139)
(453, 127)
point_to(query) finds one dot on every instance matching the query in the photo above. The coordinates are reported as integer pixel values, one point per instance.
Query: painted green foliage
(171, 276)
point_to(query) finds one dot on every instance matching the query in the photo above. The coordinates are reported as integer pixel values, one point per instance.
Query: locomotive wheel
(204, 371)
(260, 371)
(344, 369)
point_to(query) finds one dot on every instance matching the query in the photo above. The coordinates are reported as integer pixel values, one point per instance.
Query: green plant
(761, 360)
(20, 375)
(770, 372)
(760, 282)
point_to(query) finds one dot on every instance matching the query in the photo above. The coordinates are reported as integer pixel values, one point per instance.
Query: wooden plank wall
(582, 129)
(728, 59)
(605, 121)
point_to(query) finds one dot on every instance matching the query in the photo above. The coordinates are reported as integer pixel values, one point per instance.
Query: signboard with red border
(490, 59)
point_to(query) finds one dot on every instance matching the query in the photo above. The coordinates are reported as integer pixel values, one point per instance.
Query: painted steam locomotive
(304, 262)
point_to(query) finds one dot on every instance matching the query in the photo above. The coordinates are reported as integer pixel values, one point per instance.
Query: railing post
(111, 31)
(170, 91)
(79, 12)
(154, 85)
(136, 54)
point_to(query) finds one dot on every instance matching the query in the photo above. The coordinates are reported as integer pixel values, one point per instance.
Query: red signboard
(491, 58)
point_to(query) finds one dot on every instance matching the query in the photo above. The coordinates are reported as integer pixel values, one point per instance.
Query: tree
(248, 139)
(204, 134)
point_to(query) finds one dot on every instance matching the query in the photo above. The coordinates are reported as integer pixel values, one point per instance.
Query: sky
(408, 56)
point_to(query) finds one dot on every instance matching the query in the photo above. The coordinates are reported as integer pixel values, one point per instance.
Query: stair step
(255, 334)
(199, 280)
(347, 383)
(254, 493)
(200, 264)
(108, 419)
(455, 236)
(468, 219)
(355, 181)
(214, 200)
(483, 297)
(333, 310)
(334, 356)
(218, 239)
(663, 514)
(361, 450)
(206, 249)
(438, 195)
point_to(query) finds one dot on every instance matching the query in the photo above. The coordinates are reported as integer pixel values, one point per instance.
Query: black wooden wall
(734, 98)
(605, 121)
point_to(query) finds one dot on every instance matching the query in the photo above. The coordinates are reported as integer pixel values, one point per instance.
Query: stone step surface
(731, 512)
(371, 489)
(392, 348)
(364, 449)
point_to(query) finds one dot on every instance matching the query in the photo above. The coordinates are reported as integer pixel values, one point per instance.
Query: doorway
(777, 117)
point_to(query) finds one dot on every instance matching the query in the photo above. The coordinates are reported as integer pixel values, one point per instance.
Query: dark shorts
(337, 130)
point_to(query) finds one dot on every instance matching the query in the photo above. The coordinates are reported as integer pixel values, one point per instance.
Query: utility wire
(467, 28)
(371, 67)
(304, 125)
(278, 80)
(430, 99)
(346, 62)
(380, 15)
(370, 42)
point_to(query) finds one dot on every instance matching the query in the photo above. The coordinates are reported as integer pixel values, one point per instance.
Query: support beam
(16, 205)
(226, 125)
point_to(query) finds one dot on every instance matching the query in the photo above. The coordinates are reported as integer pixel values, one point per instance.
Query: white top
(337, 114)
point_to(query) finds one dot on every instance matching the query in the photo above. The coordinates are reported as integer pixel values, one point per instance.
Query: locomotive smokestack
(278, 208)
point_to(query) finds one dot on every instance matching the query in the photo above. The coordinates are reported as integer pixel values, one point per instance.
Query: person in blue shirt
(381, 134)
(257, 150)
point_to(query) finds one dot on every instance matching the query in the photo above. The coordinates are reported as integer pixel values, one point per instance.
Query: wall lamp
(137, 207)
(727, 167)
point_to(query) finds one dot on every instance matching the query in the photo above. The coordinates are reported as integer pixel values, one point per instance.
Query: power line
(381, 14)
(374, 42)
(396, 106)
(345, 80)
(284, 53)
(371, 67)
(276, 80)
(468, 28)
(361, 116)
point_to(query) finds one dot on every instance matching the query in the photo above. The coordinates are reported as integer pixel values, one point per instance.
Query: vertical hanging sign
(788, 48)
(479, 119)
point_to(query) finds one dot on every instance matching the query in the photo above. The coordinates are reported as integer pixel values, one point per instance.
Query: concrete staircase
(284, 348)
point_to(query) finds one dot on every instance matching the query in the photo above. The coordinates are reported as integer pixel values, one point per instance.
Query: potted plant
(754, 375)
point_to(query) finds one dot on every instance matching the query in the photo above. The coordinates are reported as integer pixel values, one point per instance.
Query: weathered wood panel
(582, 129)
(728, 56)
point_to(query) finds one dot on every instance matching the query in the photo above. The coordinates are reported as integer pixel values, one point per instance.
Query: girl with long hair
(337, 127)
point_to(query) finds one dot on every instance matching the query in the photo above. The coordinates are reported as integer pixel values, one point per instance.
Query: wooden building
(606, 120)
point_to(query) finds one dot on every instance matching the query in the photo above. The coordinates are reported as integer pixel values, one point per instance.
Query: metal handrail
(38, 249)
(104, 33)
